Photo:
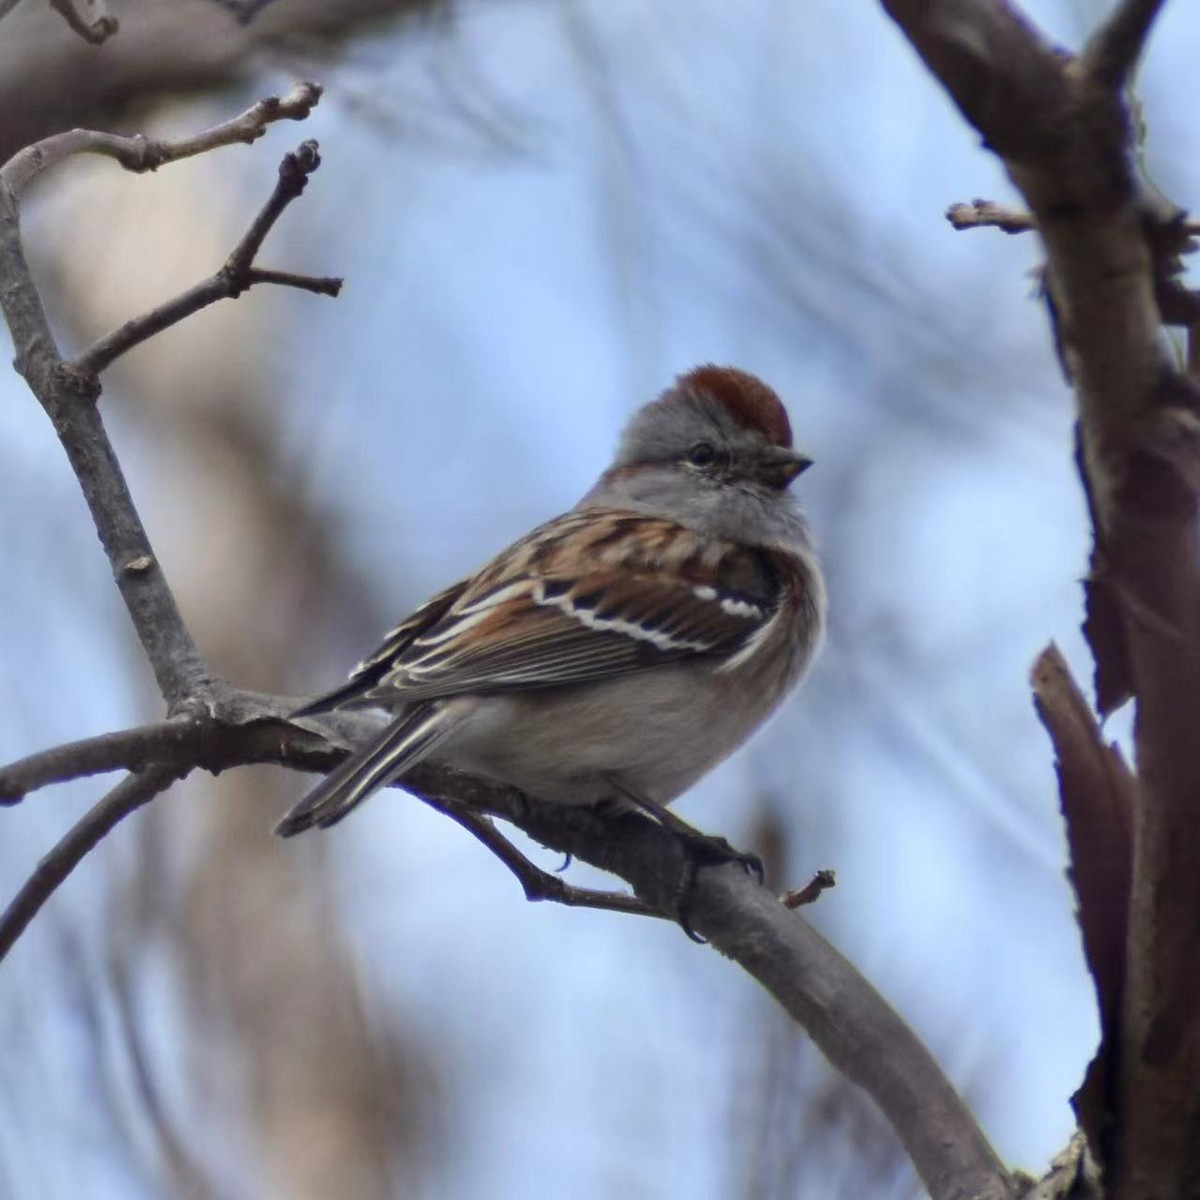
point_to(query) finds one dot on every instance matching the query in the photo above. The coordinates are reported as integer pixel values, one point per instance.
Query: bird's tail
(411, 736)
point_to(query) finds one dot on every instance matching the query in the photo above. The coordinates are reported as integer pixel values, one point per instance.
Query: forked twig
(235, 276)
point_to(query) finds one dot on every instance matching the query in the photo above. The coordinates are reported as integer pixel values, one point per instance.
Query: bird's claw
(707, 850)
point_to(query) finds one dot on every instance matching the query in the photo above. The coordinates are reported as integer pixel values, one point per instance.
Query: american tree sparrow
(621, 650)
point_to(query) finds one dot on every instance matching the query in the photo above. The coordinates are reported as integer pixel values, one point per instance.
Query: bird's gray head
(713, 451)
(719, 424)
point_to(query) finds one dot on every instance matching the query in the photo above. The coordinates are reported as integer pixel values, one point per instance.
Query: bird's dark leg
(523, 808)
(699, 850)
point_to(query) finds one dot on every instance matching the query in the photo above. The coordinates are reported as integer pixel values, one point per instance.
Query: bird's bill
(778, 467)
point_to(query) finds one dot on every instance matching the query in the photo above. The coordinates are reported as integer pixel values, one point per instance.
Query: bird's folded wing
(369, 672)
(586, 597)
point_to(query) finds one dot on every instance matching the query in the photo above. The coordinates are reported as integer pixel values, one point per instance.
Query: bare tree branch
(69, 398)
(1073, 1175)
(1113, 50)
(70, 403)
(982, 213)
(50, 80)
(851, 1023)
(848, 1020)
(811, 892)
(97, 26)
(148, 154)
(979, 214)
(82, 837)
(130, 749)
(235, 276)
(238, 729)
(1113, 246)
(319, 285)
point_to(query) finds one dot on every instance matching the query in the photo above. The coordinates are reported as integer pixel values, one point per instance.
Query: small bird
(622, 650)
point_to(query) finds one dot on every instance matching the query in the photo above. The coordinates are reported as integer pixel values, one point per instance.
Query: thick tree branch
(1113, 50)
(850, 1022)
(1113, 246)
(239, 728)
(235, 276)
(82, 837)
(847, 1019)
(129, 749)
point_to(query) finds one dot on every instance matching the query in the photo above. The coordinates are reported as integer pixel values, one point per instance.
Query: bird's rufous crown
(750, 401)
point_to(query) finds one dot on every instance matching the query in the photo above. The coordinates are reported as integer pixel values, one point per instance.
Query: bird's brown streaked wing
(368, 673)
(645, 597)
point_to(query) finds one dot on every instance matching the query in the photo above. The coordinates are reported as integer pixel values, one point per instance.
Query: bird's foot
(705, 850)
(699, 850)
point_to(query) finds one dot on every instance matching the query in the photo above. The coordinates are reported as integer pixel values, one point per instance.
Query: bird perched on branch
(620, 651)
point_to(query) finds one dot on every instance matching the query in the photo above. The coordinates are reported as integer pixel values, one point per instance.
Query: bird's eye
(701, 455)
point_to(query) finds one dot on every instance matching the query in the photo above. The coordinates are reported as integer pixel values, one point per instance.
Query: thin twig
(822, 881)
(235, 276)
(98, 26)
(982, 213)
(322, 285)
(293, 178)
(1113, 50)
(141, 153)
(535, 882)
(128, 796)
